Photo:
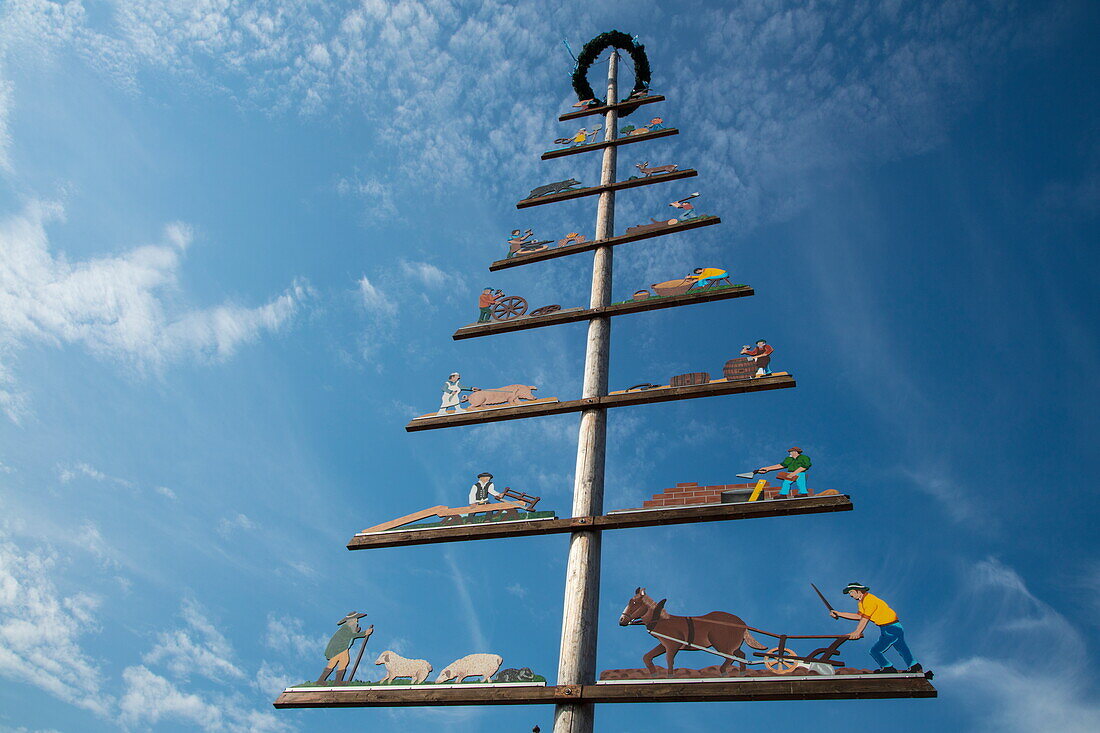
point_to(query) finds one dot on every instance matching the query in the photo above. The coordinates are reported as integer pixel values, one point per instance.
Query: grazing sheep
(398, 666)
(472, 665)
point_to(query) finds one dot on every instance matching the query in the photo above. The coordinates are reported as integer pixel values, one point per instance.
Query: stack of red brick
(687, 494)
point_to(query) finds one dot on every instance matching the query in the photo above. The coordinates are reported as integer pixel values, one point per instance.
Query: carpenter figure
(796, 464)
(762, 355)
(483, 488)
(338, 650)
(891, 634)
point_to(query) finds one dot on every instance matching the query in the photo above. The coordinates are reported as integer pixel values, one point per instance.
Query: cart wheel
(511, 307)
(780, 665)
(546, 310)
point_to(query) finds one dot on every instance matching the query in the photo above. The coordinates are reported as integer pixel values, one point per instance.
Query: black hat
(486, 475)
(855, 586)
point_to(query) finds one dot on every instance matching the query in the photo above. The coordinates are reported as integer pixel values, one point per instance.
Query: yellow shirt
(874, 608)
(708, 272)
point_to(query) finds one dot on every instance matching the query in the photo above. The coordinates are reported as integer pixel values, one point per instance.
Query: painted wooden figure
(338, 651)
(483, 488)
(792, 470)
(872, 609)
(762, 355)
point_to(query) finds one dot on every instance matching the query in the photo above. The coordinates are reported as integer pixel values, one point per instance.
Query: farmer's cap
(350, 617)
(485, 475)
(795, 448)
(855, 586)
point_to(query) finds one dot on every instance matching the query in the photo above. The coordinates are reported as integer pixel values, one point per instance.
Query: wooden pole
(577, 663)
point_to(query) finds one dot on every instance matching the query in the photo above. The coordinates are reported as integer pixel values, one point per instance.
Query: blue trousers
(701, 282)
(891, 635)
(800, 486)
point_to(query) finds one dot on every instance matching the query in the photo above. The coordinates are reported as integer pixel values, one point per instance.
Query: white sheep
(398, 666)
(472, 665)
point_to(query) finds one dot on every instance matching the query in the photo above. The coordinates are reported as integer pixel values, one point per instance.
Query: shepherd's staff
(351, 677)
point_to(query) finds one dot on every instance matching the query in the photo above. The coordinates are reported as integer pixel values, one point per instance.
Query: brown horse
(717, 630)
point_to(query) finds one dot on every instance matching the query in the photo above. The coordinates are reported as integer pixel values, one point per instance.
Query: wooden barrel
(741, 367)
(686, 380)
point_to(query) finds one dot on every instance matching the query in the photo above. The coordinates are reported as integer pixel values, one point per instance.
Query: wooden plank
(625, 520)
(750, 689)
(583, 314)
(472, 694)
(618, 186)
(839, 687)
(663, 132)
(602, 110)
(572, 249)
(651, 396)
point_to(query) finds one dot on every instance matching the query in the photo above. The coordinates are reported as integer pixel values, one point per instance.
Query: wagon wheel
(777, 664)
(511, 307)
(546, 310)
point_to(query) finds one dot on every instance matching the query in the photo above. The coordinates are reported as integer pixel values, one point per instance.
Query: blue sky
(235, 240)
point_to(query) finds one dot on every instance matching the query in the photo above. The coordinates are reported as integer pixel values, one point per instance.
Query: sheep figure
(472, 665)
(398, 666)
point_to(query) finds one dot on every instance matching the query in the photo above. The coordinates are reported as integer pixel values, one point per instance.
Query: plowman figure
(339, 646)
(891, 634)
(795, 464)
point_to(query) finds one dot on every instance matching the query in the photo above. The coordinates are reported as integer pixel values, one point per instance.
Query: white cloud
(377, 197)
(65, 475)
(1028, 667)
(286, 634)
(40, 630)
(228, 525)
(5, 468)
(165, 492)
(374, 300)
(116, 306)
(429, 275)
(150, 699)
(197, 648)
(5, 117)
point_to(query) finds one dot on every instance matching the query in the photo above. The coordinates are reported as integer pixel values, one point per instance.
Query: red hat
(794, 448)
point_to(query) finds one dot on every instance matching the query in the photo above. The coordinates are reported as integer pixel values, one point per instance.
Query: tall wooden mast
(579, 626)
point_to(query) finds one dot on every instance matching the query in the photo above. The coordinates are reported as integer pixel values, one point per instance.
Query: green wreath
(591, 52)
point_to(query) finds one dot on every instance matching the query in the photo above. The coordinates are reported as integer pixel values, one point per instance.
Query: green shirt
(803, 462)
(342, 640)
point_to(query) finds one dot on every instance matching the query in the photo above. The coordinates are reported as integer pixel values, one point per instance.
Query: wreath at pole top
(591, 52)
